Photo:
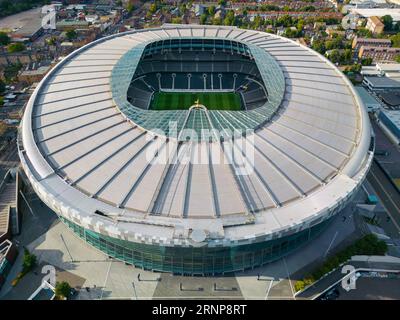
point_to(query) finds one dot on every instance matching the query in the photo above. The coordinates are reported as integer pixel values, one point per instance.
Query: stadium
(195, 150)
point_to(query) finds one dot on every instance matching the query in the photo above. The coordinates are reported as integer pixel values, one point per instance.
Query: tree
(334, 55)
(397, 59)
(299, 285)
(211, 10)
(52, 41)
(217, 21)
(11, 71)
(29, 261)
(308, 8)
(9, 7)
(2, 86)
(300, 25)
(319, 46)
(229, 18)
(15, 47)
(177, 20)
(270, 7)
(345, 57)
(4, 39)
(355, 68)
(63, 290)
(258, 21)
(388, 22)
(182, 8)
(395, 40)
(285, 21)
(130, 7)
(292, 33)
(335, 43)
(153, 8)
(203, 18)
(71, 34)
(364, 33)
(367, 61)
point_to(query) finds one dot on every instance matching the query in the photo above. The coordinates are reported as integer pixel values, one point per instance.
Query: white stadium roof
(82, 154)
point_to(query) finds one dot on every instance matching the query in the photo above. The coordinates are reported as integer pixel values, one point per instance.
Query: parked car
(332, 294)
(384, 153)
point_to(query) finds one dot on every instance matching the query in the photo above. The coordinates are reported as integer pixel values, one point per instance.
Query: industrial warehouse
(112, 136)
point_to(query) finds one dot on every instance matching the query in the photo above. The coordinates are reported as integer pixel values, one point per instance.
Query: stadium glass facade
(200, 261)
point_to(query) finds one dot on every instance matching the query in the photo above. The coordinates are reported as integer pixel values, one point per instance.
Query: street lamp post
(134, 290)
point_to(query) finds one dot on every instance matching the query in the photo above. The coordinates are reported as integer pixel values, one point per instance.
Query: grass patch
(184, 100)
(28, 264)
(397, 182)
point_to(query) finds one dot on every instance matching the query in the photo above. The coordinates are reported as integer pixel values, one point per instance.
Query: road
(391, 161)
(386, 192)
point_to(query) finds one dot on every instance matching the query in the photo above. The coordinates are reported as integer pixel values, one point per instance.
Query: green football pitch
(184, 100)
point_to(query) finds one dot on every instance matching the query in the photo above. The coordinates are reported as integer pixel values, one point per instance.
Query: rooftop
(370, 71)
(393, 115)
(375, 20)
(367, 99)
(379, 12)
(39, 71)
(388, 67)
(23, 24)
(391, 98)
(358, 2)
(383, 82)
(377, 40)
(83, 155)
(72, 22)
(378, 48)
